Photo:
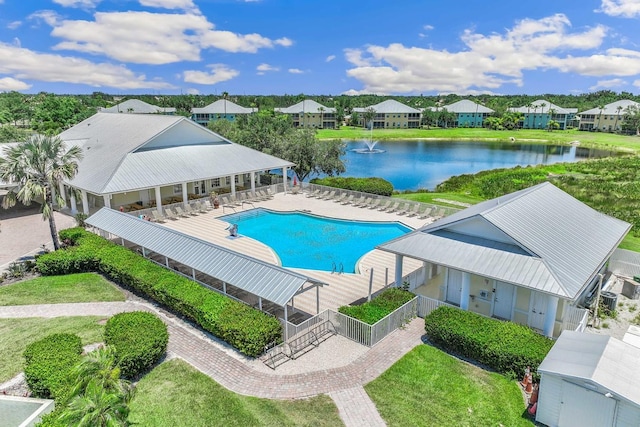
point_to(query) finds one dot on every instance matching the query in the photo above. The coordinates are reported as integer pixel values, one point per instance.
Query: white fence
(575, 319)
(427, 305)
(625, 263)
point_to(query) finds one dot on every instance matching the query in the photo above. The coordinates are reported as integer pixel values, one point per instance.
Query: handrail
(333, 267)
(341, 271)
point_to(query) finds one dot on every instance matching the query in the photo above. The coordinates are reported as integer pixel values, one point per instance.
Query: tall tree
(619, 108)
(631, 118)
(368, 116)
(37, 166)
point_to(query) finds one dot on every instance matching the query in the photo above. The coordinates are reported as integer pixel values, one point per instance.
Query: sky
(329, 47)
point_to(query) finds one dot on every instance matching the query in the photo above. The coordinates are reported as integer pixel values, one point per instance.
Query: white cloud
(84, 4)
(169, 4)
(13, 25)
(9, 83)
(330, 58)
(266, 67)
(608, 84)
(296, 71)
(488, 62)
(27, 64)
(428, 27)
(193, 91)
(636, 83)
(624, 8)
(219, 73)
(50, 17)
(17, 42)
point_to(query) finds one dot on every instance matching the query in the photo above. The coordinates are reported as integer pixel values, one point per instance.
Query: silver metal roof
(467, 106)
(127, 152)
(306, 106)
(257, 277)
(223, 106)
(562, 242)
(389, 106)
(135, 106)
(601, 359)
(541, 109)
(612, 109)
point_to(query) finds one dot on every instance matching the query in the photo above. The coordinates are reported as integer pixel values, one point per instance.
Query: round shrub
(49, 362)
(140, 340)
(377, 186)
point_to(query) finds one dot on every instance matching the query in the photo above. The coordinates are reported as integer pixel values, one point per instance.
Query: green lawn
(16, 334)
(82, 287)
(431, 198)
(600, 139)
(427, 387)
(175, 394)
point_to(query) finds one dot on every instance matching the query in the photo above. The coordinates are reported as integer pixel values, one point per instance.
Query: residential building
(534, 257)
(310, 114)
(144, 160)
(391, 114)
(468, 113)
(220, 109)
(135, 106)
(609, 118)
(538, 114)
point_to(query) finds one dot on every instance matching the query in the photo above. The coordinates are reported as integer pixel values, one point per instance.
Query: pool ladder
(337, 269)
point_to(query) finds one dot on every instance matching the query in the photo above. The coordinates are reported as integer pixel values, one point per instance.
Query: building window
(215, 182)
(237, 179)
(177, 189)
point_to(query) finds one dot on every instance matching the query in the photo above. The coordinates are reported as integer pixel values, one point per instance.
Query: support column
(317, 299)
(224, 287)
(85, 202)
(399, 259)
(464, 292)
(284, 178)
(253, 183)
(74, 207)
(260, 303)
(185, 195)
(63, 194)
(107, 201)
(233, 185)
(286, 326)
(158, 201)
(550, 315)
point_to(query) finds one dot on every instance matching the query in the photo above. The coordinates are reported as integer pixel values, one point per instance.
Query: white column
(74, 207)
(317, 299)
(284, 178)
(233, 185)
(63, 194)
(85, 202)
(550, 315)
(158, 200)
(253, 183)
(464, 292)
(107, 201)
(185, 195)
(399, 259)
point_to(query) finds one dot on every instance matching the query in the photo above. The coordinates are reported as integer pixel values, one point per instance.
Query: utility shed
(590, 380)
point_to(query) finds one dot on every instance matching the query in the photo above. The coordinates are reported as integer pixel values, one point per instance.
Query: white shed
(590, 380)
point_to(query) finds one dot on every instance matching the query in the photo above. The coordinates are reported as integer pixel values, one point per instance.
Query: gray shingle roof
(222, 106)
(268, 281)
(389, 106)
(126, 152)
(467, 106)
(308, 106)
(562, 242)
(611, 109)
(135, 106)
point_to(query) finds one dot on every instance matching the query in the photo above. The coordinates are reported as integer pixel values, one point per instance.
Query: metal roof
(257, 277)
(223, 106)
(467, 106)
(612, 109)
(541, 109)
(390, 106)
(306, 106)
(127, 152)
(135, 106)
(563, 243)
(601, 359)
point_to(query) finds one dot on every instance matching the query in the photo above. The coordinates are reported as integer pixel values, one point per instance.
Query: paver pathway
(343, 384)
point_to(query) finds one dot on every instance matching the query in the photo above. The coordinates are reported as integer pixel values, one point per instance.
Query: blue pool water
(313, 242)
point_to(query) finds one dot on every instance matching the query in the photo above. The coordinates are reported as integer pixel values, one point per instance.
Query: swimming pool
(313, 242)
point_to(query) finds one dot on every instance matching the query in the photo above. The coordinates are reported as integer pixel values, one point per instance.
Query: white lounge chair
(414, 211)
(375, 204)
(385, 206)
(156, 216)
(426, 214)
(363, 202)
(315, 193)
(168, 213)
(394, 207)
(181, 212)
(348, 200)
(404, 209)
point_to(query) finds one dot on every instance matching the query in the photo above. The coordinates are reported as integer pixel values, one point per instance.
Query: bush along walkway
(200, 351)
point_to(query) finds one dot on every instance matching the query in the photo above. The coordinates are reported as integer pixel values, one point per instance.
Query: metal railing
(575, 319)
(426, 305)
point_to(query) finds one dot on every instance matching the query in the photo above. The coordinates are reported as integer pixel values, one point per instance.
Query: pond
(412, 165)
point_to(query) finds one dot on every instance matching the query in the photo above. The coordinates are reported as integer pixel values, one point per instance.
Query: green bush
(377, 186)
(48, 363)
(504, 346)
(140, 340)
(379, 307)
(245, 328)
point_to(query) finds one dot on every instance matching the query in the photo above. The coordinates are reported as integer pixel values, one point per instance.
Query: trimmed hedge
(379, 307)
(378, 186)
(140, 340)
(504, 346)
(49, 362)
(244, 327)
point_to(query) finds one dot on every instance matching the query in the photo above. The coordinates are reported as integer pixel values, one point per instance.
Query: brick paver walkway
(195, 347)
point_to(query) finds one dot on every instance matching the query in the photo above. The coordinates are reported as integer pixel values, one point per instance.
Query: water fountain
(370, 149)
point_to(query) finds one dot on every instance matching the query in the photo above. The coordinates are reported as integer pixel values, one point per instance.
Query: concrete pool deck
(343, 288)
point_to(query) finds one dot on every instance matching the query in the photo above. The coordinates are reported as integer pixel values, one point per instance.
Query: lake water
(412, 165)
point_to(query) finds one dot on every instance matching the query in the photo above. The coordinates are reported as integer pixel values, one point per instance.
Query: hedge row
(379, 307)
(504, 346)
(140, 340)
(377, 186)
(48, 366)
(244, 327)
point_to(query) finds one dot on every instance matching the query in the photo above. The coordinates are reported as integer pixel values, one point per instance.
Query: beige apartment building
(391, 114)
(310, 114)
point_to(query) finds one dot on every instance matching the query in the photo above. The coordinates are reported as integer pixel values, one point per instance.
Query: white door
(537, 310)
(503, 300)
(454, 286)
(581, 407)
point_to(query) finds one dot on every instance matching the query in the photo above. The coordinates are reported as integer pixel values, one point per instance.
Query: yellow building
(390, 114)
(310, 114)
(609, 118)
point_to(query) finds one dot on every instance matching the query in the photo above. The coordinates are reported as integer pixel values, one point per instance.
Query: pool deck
(342, 289)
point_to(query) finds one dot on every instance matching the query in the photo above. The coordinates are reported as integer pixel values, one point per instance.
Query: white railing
(351, 328)
(292, 331)
(426, 305)
(575, 319)
(399, 317)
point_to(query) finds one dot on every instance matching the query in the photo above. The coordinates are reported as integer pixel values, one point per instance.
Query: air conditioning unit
(631, 289)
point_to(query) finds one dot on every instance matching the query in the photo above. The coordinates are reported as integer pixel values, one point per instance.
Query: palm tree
(542, 105)
(618, 109)
(99, 365)
(38, 165)
(225, 95)
(321, 109)
(97, 407)
(601, 108)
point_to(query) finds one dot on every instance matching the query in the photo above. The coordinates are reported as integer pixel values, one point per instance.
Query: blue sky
(331, 47)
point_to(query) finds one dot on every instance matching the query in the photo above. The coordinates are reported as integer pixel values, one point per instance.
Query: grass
(595, 139)
(16, 334)
(83, 287)
(630, 242)
(428, 387)
(174, 393)
(431, 198)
